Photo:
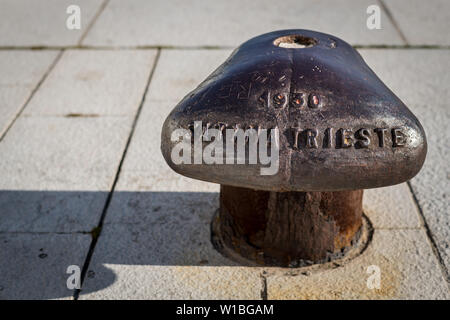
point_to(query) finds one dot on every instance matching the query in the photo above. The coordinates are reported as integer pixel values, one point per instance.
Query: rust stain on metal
(289, 228)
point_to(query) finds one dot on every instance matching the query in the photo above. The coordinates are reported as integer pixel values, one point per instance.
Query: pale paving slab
(20, 72)
(422, 22)
(391, 207)
(409, 270)
(419, 79)
(156, 245)
(42, 23)
(177, 73)
(229, 23)
(94, 82)
(33, 266)
(45, 157)
(173, 283)
(180, 71)
(144, 166)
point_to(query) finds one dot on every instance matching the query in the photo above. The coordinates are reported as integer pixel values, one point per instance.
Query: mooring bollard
(294, 125)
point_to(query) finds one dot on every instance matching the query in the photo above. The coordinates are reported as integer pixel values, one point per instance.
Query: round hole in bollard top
(295, 42)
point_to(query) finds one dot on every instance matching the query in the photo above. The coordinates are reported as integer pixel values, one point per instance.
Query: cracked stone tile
(423, 23)
(34, 266)
(42, 23)
(94, 82)
(407, 265)
(20, 72)
(417, 77)
(229, 23)
(56, 172)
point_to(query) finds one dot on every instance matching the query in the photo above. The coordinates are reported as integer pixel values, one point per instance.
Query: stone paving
(82, 180)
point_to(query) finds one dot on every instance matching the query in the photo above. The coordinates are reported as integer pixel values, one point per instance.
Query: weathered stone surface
(43, 23)
(231, 22)
(147, 282)
(340, 126)
(180, 71)
(56, 172)
(162, 250)
(93, 83)
(407, 265)
(391, 207)
(20, 72)
(422, 22)
(145, 169)
(34, 266)
(428, 97)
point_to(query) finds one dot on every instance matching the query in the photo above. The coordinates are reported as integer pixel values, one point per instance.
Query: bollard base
(288, 229)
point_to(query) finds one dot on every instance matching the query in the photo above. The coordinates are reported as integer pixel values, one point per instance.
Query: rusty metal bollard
(338, 130)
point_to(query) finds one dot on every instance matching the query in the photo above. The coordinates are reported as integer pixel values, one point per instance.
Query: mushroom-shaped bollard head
(293, 125)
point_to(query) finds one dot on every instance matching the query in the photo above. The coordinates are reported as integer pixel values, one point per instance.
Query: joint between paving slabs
(174, 47)
(430, 237)
(393, 21)
(93, 21)
(96, 232)
(35, 89)
(263, 285)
